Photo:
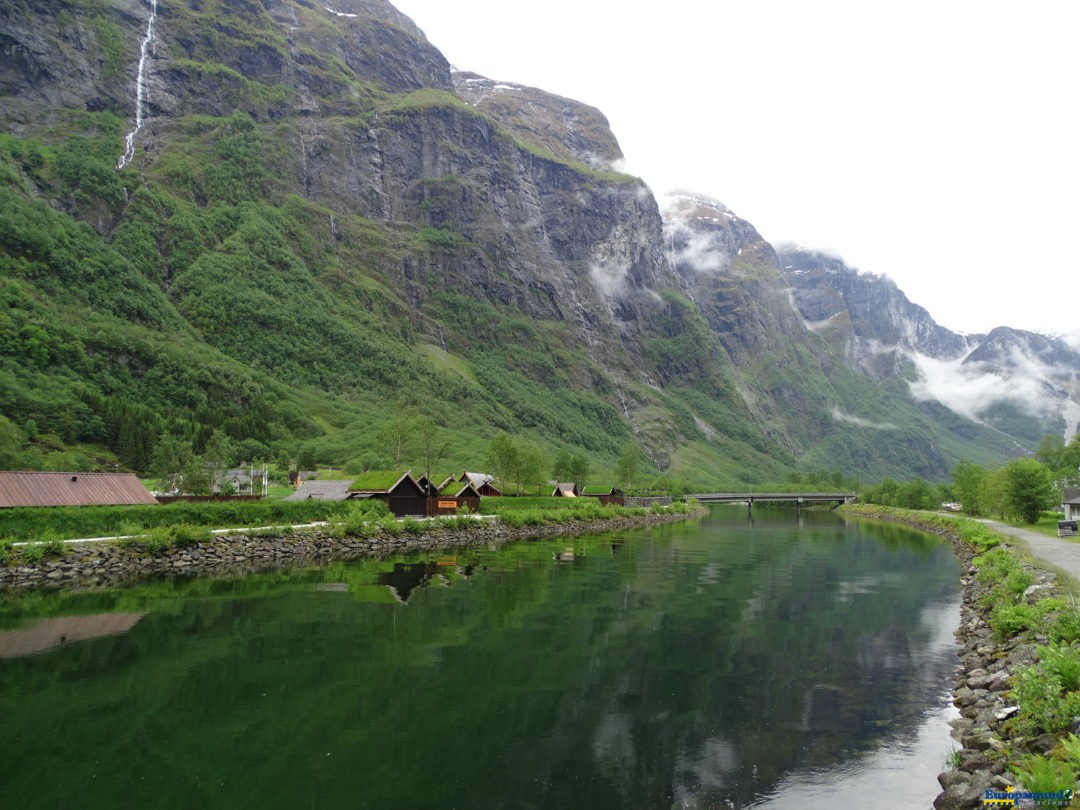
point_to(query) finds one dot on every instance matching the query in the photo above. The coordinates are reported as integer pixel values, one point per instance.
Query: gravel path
(1058, 552)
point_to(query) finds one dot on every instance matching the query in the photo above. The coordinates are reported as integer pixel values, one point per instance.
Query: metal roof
(71, 489)
(321, 491)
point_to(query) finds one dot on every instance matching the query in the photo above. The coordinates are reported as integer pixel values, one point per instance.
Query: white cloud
(971, 389)
(700, 250)
(609, 279)
(840, 416)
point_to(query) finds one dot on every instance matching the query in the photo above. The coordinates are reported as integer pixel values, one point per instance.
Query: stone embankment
(982, 683)
(109, 564)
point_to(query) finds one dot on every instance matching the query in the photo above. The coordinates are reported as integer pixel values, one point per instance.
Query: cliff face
(1021, 383)
(314, 200)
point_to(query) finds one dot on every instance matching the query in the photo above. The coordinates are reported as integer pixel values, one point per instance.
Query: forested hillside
(324, 239)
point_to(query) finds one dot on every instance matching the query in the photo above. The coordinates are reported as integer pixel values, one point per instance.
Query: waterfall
(140, 90)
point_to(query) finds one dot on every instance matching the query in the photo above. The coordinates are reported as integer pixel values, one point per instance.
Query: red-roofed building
(71, 489)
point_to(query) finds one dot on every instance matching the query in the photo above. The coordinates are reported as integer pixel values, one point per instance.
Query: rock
(948, 779)
(974, 761)
(960, 795)
(1044, 743)
(963, 697)
(974, 741)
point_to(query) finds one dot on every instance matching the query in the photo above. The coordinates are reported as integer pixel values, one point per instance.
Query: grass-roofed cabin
(462, 493)
(433, 484)
(400, 491)
(608, 496)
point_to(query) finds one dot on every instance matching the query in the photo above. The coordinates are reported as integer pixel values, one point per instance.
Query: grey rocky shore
(110, 564)
(982, 683)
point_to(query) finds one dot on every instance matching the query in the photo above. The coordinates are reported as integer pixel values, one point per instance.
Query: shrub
(1065, 627)
(1041, 775)
(1043, 706)
(1008, 620)
(1018, 581)
(32, 553)
(391, 525)
(185, 535)
(412, 525)
(156, 540)
(995, 564)
(53, 543)
(1071, 746)
(1063, 662)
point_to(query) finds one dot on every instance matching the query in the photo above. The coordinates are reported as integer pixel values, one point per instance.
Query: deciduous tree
(1029, 488)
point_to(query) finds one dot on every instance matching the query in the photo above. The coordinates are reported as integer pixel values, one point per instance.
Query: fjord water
(784, 661)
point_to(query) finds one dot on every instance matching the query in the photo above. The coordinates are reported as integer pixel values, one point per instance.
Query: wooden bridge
(797, 498)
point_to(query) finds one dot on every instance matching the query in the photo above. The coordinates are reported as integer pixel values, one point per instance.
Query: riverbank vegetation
(1020, 491)
(1039, 746)
(157, 529)
(66, 522)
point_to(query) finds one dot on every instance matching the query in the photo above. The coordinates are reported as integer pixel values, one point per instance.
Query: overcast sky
(932, 142)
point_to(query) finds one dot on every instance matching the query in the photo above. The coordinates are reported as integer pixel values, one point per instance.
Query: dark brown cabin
(400, 491)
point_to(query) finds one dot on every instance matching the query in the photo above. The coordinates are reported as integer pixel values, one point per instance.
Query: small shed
(566, 490)
(1070, 503)
(482, 483)
(71, 489)
(608, 496)
(321, 491)
(401, 492)
(463, 493)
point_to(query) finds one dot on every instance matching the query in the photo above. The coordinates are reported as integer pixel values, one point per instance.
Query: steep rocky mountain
(295, 224)
(1024, 384)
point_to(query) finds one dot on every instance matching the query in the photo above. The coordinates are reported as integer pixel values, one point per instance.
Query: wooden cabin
(566, 490)
(400, 491)
(608, 496)
(463, 493)
(483, 483)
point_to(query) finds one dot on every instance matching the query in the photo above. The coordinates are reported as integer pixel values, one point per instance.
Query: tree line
(1020, 490)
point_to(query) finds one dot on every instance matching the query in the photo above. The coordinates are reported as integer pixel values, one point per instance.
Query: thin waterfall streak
(140, 90)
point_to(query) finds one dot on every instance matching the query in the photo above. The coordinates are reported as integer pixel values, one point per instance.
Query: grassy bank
(66, 522)
(1039, 746)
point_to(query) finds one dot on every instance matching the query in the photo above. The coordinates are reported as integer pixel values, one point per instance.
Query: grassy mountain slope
(320, 240)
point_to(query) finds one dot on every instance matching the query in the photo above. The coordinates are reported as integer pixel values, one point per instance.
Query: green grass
(32, 524)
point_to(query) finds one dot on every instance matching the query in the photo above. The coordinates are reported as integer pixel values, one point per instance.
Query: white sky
(932, 141)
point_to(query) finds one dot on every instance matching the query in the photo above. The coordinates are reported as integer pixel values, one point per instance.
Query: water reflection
(719, 664)
(45, 634)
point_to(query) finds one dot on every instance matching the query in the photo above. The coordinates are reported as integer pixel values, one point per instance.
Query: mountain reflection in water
(715, 663)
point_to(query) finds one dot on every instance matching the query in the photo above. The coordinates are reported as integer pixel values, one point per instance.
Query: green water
(719, 663)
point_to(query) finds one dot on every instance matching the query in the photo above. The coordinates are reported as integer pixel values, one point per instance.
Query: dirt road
(1058, 552)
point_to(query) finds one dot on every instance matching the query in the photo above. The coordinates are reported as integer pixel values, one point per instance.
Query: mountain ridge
(344, 229)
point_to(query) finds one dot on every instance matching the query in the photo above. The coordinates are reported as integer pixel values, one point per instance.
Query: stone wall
(107, 564)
